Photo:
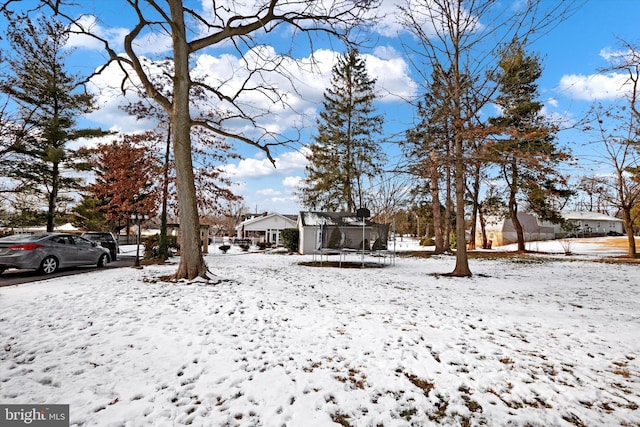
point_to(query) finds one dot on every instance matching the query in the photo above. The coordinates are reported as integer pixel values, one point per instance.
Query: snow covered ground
(537, 341)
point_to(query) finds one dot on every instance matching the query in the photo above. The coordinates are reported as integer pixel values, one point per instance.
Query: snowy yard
(536, 341)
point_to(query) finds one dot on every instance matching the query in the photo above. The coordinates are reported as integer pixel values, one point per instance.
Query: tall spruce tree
(345, 153)
(48, 99)
(525, 148)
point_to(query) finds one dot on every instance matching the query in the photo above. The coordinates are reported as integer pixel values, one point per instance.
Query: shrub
(427, 241)
(264, 245)
(152, 244)
(245, 247)
(290, 239)
(224, 248)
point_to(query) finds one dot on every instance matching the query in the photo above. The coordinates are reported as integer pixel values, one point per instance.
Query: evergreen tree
(345, 153)
(48, 101)
(428, 150)
(525, 149)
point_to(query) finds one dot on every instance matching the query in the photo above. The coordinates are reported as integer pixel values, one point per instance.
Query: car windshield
(23, 238)
(94, 235)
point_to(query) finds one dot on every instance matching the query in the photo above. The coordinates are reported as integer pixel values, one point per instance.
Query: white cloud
(146, 43)
(249, 168)
(393, 81)
(612, 55)
(259, 166)
(268, 192)
(291, 160)
(292, 183)
(302, 88)
(594, 87)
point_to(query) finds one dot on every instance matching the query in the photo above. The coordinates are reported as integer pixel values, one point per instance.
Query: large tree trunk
(462, 260)
(191, 262)
(474, 210)
(447, 208)
(53, 197)
(513, 214)
(628, 225)
(435, 203)
(513, 206)
(483, 227)
(163, 245)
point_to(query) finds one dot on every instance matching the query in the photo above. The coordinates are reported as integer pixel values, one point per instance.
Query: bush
(224, 248)
(152, 246)
(427, 241)
(245, 247)
(290, 239)
(264, 245)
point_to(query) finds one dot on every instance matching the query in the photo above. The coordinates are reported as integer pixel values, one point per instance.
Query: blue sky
(572, 53)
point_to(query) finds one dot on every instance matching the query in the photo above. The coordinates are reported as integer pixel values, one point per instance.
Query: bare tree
(622, 140)
(190, 31)
(391, 196)
(620, 143)
(594, 194)
(460, 36)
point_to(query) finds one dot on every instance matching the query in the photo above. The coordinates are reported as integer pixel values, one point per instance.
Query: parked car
(105, 239)
(47, 252)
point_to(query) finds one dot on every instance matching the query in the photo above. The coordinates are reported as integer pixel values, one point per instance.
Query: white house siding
(591, 223)
(265, 227)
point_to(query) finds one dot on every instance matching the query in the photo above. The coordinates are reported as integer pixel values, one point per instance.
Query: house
(339, 230)
(500, 231)
(589, 224)
(265, 227)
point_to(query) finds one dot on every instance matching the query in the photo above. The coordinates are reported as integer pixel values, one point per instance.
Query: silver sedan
(49, 251)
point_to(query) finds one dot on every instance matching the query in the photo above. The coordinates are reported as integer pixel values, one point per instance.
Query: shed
(339, 230)
(265, 227)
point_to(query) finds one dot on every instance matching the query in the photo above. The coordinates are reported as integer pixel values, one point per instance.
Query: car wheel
(103, 260)
(49, 265)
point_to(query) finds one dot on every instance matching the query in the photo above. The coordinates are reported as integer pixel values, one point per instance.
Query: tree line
(450, 152)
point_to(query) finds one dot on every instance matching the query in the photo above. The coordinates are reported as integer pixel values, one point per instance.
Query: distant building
(265, 227)
(501, 231)
(590, 224)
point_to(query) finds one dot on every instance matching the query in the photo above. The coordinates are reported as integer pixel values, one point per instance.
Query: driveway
(17, 277)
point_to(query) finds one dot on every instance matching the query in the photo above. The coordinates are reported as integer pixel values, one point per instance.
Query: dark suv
(106, 240)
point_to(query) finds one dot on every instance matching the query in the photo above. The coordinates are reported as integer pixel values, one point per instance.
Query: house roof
(585, 216)
(260, 218)
(341, 219)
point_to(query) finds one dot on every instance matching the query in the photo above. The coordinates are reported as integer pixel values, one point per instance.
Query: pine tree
(428, 148)
(48, 100)
(345, 153)
(525, 149)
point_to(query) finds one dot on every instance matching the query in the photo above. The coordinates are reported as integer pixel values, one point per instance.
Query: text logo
(34, 415)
